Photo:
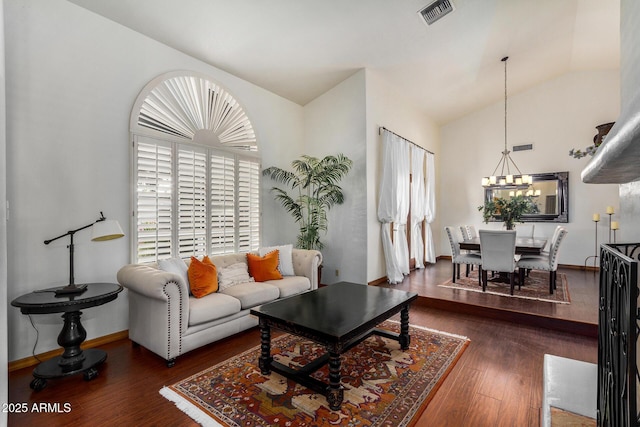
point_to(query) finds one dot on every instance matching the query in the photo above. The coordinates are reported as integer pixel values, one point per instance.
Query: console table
(73, 360)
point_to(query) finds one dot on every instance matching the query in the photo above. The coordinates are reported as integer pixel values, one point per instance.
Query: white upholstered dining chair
(469, 232)
(498, 252)
(458, 257)
(546, 261)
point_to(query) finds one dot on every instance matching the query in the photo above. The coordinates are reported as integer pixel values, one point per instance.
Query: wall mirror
(550, 193)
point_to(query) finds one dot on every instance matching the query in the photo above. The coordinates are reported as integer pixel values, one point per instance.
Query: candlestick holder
(596, 219)
(610, 229)
(615, 226)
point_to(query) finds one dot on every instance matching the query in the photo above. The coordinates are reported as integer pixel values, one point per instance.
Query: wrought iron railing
(618, 330)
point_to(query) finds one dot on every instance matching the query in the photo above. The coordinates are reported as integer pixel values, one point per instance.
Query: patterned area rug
(384, 386)
(536, 286)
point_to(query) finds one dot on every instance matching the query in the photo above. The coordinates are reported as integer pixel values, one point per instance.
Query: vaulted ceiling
(301, 48)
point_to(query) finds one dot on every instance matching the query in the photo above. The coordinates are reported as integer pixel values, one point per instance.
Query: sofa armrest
(150, 281)
(158, 308)
(305, 263)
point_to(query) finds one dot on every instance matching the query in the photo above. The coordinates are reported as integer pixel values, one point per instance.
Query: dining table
(524, 245)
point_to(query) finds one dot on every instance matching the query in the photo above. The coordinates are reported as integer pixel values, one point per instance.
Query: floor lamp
(610, 212)
(596, 219)
(102, 230)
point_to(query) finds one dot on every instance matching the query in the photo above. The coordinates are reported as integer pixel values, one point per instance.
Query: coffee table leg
(335, 393)
(404, 338)
(265, 348)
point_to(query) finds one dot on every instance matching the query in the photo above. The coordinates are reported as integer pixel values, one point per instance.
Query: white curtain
(430, 204)
(418, 205)
(393, 206)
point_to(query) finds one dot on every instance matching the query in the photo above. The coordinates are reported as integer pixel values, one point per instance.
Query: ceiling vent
(436, 10)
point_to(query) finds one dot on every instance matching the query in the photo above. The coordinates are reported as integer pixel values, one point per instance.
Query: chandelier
(510, 175)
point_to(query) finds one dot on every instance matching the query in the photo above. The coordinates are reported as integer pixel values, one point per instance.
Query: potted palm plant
(315, 185)
(509, 210)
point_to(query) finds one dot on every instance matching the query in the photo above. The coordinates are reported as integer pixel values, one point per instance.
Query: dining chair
(463, 231)
(469, 232)
(498, 252)
(546, 261)
(458, 257)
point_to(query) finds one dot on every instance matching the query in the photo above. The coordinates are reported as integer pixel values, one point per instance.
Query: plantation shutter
(192, 202)
(154, 200)
(248, 205)
(196, 171)
(223, 204)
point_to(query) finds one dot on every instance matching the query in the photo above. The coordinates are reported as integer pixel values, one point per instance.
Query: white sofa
(167, 320)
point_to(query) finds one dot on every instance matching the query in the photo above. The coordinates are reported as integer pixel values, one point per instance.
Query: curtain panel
(418, 205)
(393, 205)
(430, 208)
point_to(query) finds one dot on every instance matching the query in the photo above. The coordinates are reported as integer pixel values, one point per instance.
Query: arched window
(196, 171)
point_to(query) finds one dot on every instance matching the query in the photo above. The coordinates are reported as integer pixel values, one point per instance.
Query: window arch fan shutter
(190, 107)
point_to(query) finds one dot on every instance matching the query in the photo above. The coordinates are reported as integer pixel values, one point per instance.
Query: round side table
(73, 360)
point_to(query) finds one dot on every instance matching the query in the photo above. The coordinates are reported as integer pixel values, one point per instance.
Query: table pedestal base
(51, 368)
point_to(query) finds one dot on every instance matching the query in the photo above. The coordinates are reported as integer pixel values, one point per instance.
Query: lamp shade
(106, 230)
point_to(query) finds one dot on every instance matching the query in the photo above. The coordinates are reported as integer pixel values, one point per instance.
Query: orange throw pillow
(265, 267)
(203, 277)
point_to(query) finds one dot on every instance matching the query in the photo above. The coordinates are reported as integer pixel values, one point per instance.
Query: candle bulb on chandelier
(610, 210)
(596, 217)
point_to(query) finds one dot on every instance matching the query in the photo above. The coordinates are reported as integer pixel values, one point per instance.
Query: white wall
(4, 353)
(71, 78)
(555, 116)
(335, 123)
(385, 108)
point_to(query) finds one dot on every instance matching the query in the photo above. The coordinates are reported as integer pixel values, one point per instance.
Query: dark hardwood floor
(496, 382)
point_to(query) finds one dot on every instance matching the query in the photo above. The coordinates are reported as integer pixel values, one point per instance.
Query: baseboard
(378, 281)
(579, 267)
(93, 343)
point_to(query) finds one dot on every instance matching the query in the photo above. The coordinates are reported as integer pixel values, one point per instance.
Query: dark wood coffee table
(338, 316)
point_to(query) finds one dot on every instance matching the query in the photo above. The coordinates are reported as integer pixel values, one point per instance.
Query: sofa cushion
(291, 285)
(211, 307)
(253, 293)
(263, 268)
(226, 260)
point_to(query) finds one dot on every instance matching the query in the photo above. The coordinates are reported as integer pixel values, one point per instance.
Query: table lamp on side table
(103, 229)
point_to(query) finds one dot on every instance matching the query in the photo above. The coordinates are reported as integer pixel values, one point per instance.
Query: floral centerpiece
(508, 210)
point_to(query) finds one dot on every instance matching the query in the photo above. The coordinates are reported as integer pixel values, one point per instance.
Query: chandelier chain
(505, 101)
(506, 162)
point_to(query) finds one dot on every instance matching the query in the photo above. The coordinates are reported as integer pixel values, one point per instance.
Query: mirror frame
(563, 198)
